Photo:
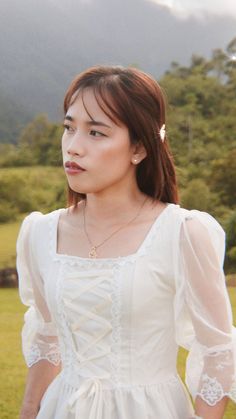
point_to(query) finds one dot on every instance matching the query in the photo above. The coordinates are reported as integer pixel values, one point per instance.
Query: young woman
(121, 278)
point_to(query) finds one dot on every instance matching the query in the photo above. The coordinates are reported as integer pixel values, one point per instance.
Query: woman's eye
(95, 133)
(68, 127)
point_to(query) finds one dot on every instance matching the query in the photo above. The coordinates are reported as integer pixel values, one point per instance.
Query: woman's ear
(139, 153)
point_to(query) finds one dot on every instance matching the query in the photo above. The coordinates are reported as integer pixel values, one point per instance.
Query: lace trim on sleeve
(212, 391)
(35, 354)
(214, 370)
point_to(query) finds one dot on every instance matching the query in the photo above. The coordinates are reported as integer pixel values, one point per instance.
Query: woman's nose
(76, 146)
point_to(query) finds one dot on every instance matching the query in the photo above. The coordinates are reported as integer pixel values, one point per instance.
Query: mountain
(44, 44)
(13, 117)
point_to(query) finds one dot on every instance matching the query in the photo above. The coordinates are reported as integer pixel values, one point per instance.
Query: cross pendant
(93, 253)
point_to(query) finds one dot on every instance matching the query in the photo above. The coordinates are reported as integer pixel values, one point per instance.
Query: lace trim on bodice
(89, 263)
(116, 327)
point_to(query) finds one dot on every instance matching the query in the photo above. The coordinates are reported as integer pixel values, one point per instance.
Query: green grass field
(13, 369)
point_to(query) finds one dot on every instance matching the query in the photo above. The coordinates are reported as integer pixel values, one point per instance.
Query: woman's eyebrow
(89, 122)
(100, 123)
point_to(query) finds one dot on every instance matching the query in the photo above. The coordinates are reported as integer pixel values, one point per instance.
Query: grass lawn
(13, 369)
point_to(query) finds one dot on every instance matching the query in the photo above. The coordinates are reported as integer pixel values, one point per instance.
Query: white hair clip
(162, 133)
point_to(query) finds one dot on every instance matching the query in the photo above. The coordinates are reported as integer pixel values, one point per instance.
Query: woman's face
(100, 150)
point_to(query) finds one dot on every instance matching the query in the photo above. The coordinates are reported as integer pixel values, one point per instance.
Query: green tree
(223, 178)
(230, 260)
(40, 142)
(197, 195)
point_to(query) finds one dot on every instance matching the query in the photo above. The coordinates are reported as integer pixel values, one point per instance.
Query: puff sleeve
(39, 335)
(203, 314)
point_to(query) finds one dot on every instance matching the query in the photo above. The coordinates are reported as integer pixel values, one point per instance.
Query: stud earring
(135, 161)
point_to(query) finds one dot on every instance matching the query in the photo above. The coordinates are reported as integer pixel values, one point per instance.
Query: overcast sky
(200, 8)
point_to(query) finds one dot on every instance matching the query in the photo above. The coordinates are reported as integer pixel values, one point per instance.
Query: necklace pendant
(93, 253)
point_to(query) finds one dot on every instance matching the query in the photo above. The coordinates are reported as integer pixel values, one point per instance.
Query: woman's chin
(88, 189)
(79, 190)
(82, 190)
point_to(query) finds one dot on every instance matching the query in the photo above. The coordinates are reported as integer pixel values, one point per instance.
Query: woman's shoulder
(38, 224)
(196, 217)
(198, 228)
(37, 231)
(38, 217)
(194, 223)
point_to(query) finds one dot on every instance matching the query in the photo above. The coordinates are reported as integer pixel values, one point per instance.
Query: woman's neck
(112, 209)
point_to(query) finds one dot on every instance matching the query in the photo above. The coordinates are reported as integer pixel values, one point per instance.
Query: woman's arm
(40, 375)
(204, 322)
(210, 367)
(40, 344)
(210, 412)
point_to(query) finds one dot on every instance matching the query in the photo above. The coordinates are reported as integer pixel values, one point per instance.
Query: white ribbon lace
(90, 341)
(91, 387)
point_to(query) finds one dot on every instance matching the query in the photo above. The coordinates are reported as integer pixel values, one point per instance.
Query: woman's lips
(73, 171)
(73, 168)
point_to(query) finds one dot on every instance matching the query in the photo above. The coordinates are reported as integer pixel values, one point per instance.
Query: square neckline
(78, 258)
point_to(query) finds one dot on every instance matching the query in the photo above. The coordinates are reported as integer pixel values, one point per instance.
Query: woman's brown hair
(132, 97)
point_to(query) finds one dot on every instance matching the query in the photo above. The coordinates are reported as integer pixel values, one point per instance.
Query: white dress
(115, 324)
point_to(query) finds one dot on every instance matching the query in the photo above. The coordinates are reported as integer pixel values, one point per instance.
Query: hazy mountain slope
(13, 117)
(43, 44)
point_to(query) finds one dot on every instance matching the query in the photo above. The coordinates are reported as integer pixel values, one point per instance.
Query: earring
(135, 161)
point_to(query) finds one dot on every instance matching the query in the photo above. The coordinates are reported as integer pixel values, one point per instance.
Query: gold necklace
(93, 250)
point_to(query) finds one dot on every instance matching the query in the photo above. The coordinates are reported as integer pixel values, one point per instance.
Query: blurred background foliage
(201, 127)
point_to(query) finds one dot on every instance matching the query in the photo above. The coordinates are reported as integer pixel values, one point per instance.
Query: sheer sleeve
(203, 314)
(39, 336)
